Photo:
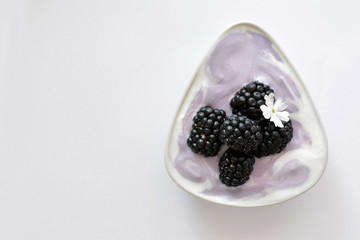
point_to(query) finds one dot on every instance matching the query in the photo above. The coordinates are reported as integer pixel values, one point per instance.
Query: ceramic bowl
(244, 53)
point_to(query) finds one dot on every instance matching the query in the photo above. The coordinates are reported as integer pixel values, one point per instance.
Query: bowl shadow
(304, 214)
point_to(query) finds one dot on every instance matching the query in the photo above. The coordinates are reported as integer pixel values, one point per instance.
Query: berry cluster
(235, 168)
(247, 133)
(204, 136)
(248, 100)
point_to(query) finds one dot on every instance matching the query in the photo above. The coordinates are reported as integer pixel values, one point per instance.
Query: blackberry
(275, 138)
(248, 100)
(241, 133)
(235, 168)
(204, 136)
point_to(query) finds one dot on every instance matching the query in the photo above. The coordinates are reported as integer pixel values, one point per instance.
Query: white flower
(275, 111)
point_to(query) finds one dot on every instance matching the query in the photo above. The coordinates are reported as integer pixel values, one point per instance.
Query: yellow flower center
(273, 110)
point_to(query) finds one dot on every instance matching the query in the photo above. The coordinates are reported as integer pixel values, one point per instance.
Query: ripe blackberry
(241, 133)
(248, 100)
(204, 136)
(235, 168)
(275, 138)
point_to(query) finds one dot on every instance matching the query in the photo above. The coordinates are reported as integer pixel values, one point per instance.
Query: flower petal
(276, 121)
(279, 105)
(267, 112)
(269, 100)
(283, 116)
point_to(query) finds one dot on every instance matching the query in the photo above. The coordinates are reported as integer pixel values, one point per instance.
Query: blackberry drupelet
(248, 100)
(204, 136)
(235, 168)
(241, 133)
(275, 138)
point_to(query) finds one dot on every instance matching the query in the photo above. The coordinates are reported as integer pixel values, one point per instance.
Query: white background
(88, 90)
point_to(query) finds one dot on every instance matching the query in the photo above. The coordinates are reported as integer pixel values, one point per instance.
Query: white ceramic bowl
(244, 53)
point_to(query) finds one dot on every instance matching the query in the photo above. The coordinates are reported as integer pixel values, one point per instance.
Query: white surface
(87, 93)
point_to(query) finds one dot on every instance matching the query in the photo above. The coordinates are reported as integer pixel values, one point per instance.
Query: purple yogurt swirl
(238, 59)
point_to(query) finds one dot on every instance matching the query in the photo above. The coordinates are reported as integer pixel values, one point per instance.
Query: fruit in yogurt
(259, 127)
(204, 135)
(241, 133)
(275, 138)
(244, 53)
(235, 168)
(248, 100)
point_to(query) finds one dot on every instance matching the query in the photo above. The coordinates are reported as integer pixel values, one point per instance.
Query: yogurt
(245, 53)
